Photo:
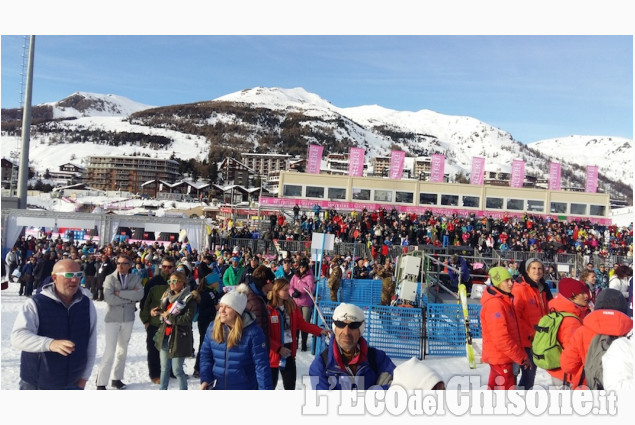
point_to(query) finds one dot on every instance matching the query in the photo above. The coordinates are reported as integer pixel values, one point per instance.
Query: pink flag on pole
(437, 168)
(314, 159)
(478, 170)
(356, 162)
(554, 176)
(397, 159)
(591, 179)
(518, 173)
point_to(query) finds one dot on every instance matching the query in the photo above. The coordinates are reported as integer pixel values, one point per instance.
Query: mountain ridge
(282, 120)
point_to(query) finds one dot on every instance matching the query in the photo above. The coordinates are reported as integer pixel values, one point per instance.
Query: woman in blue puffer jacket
(234, 354)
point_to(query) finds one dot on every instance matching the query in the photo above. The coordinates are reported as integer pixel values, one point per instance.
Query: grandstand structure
(346, 193)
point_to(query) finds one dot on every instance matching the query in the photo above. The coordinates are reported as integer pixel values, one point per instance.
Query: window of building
(535, 206)
(558, 208)
(428, 198)
(383, 195)
(361, 194)
(450, 200)
(515, 204)
(579, 209)
(292, 190)
(494, 203)
(597, 210)
(314, 192)
(337, 193)
(404, 197)
(471, 201)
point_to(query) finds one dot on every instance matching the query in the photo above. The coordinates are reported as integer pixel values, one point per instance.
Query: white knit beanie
(236, 298)
(415, 375)
(349, 312)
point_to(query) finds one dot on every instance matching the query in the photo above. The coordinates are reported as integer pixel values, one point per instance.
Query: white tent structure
(14, 221)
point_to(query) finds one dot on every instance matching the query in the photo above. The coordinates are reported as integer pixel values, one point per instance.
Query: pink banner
(554, 176)
(478, 170)
(591, 179)
(356, 162)
(397, 159)
(437, 168)
(518, 173)
(314, 159)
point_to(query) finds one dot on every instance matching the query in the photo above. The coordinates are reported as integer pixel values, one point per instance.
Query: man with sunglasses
(152, 298)
(122, 290)
(56, 330)
(349, 362)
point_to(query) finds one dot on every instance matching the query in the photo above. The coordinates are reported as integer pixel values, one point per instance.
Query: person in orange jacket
(285, 319)
(531, 298)
(501, 335)
(573, 297)
(608, 318)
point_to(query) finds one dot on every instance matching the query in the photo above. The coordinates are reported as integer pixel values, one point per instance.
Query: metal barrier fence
(402, 332)
(445, 330)
(396, 330)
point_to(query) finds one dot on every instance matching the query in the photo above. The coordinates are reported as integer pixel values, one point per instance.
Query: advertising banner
(397, 159)
(437, 168)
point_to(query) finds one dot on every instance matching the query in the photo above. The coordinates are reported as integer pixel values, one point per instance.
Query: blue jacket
(465, 272)
(334, 376)
(243, 367)
(50, 370)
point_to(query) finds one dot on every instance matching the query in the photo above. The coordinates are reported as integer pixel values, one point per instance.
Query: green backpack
(545, 347)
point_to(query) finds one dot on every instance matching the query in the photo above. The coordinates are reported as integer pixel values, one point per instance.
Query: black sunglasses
(341, 325)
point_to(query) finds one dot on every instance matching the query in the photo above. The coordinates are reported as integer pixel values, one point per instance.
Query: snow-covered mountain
(287, 120)
(84, 104)
(613, 155)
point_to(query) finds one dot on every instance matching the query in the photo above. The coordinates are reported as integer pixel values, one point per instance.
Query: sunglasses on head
(341, 324)
(70, 275)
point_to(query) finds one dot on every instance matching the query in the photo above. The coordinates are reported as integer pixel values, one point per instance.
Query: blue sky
(535, 87)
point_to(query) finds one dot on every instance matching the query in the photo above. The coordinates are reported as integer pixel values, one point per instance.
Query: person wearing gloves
(56, 330)
(608, 318)
(573, 297)
(349, 362)
(414, 374)
(234, 354)
(175, 339)
(303, 280)
(502, 345)
(284, 320)
(531, 298)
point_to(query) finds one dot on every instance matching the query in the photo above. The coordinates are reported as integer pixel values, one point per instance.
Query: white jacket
(617, 364)
(24, 335)
(122, 307)
(619, 284)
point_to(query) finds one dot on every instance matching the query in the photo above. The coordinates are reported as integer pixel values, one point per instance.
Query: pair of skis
(468, 334)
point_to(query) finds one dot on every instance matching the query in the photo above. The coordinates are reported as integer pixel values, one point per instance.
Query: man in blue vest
(56, 330)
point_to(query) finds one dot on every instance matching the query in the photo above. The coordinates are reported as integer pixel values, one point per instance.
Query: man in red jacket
(531, 297)
(608, 318)
(501, 337)
(573, 297)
